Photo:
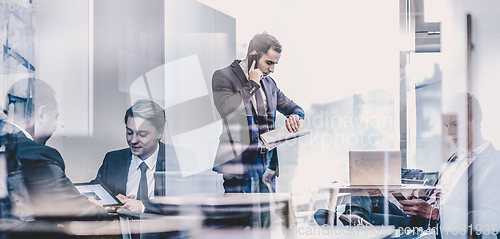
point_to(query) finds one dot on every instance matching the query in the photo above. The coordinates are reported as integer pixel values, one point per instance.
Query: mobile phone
(251, 58)
(399, 196)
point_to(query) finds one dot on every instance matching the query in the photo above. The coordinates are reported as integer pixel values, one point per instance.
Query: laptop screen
(374, 168)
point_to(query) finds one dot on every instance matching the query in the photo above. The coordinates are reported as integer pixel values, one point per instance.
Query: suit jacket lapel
(269, 95)
(475, 165)
(160, 167)
(235, 66)
(481, 159)
(122, 173)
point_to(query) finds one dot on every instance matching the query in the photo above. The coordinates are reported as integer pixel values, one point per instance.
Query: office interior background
(370, 75)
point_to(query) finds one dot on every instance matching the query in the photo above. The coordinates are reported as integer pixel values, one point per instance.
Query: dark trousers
(251, 183)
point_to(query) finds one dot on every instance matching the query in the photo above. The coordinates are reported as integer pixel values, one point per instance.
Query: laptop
(375, 168)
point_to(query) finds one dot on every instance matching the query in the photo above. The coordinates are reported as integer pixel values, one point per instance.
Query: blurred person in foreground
(37, 181)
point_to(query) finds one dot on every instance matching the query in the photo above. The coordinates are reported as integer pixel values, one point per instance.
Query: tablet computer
(100, 192)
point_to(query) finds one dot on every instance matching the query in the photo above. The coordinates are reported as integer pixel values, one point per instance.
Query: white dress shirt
(134, 174)
(244, 67)
(456, 169)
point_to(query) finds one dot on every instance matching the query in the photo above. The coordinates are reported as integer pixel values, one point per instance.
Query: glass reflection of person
(121, 170)
(32, 113)
(474, 166)
(427, 209)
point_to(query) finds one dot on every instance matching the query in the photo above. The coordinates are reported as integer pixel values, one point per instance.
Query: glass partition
(369, 75)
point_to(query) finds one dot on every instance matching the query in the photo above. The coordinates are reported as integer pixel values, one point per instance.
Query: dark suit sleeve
(111, 172)
(101, 174)
(273, 163)
(151, 207)
(227, 99)
(285, 105)
(52, 194)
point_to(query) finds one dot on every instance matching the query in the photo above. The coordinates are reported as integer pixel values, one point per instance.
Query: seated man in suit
(130, 172)
(473, 170)
(38, 183)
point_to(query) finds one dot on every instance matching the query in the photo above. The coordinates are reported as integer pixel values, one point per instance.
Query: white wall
(63, 61)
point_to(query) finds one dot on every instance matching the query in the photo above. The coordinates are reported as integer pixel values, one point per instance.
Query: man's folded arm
(53, 195)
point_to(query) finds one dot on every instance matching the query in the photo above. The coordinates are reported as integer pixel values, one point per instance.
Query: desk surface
(304, 231)
(390, 187)
(223, 199)
(382, 190)
(406, 190)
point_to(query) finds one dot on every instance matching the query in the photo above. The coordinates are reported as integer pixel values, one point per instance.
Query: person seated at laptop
(130, 173)
(39, 186)
(451, 201)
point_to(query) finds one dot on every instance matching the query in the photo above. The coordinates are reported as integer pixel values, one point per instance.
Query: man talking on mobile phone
(247, 99)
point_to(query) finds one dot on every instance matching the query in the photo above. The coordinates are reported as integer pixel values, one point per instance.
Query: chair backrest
(412, 174)
(430, 178)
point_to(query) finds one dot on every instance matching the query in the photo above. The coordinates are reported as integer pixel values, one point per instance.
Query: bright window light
(433, 10)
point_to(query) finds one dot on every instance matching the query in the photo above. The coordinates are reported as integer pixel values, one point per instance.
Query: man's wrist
(295, 115)
(435, 214)
(254, 87)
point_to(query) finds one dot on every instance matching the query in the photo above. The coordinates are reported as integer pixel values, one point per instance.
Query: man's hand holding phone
(254, 72)
(417, 207)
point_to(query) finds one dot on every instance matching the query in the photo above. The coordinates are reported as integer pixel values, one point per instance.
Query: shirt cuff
(295, 115)
(143, 207)
(271, 170)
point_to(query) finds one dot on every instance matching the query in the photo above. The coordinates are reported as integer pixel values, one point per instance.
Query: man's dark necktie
(261, 112)
(142, 193)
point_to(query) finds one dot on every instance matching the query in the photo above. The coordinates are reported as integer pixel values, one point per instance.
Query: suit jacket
(114, 171)
(483, 183)
(238, 143)
(52, 194)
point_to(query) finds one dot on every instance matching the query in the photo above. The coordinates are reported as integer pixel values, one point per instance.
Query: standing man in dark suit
(130, 172)
(247, 99)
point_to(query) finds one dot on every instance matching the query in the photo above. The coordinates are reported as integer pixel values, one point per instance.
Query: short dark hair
(27, 95)
(148, 110)
(261, 43)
